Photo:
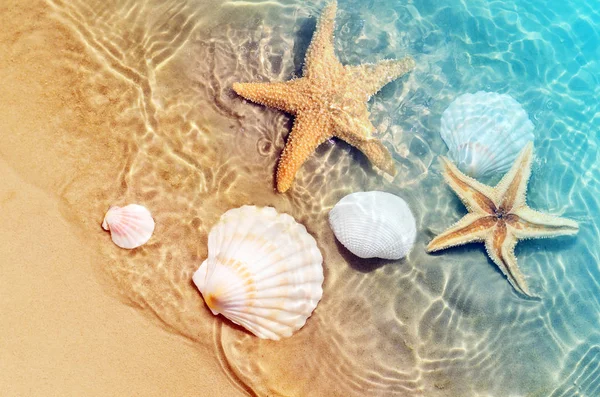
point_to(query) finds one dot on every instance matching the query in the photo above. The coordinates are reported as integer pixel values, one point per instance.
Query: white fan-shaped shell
(264, 271)
(485, 132)
(374, 225)
(130, 226)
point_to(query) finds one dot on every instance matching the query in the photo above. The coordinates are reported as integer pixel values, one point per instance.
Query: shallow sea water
(150, 117)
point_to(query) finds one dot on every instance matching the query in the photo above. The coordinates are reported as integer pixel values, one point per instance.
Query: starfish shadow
(303, 39)
(548, 245)
(358, 158)
(472, 247)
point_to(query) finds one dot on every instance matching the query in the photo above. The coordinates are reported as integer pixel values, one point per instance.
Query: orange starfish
(499, 217)
(329, 100)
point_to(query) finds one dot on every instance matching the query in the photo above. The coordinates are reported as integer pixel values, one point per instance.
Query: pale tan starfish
(329, 100)
(499, 216)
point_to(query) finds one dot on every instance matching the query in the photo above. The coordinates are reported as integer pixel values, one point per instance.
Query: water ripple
(159, 76)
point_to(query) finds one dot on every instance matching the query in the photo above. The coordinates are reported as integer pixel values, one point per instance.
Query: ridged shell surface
(374, 225)
(485, 132)
(130, 226)
(264, 271)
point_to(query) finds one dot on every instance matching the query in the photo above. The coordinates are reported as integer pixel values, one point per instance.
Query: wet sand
(65, 329)
(61, 333)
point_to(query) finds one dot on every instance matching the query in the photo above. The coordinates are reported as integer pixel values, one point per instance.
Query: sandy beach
(61, 333)
(64, 330)
(111, 102)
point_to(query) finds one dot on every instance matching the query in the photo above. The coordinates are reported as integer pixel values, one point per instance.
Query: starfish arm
(476, 196)
(471, 228)
(309, 131)
(357, 132)
(526, 223)
(500, 246)
(286, 96)
(368, 79)
(377, 154)
(320, 56)
(513, 186)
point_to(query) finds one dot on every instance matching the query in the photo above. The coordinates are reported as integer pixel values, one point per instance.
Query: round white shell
(130, 226)
(264, 271)
(485, 132)
(374, 225)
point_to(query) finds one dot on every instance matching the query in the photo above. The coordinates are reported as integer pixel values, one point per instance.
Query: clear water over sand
(131, 101)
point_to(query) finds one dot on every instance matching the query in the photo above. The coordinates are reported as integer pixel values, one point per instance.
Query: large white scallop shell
(130, 226)
(485, 132)
(264, 271)
(374, 225)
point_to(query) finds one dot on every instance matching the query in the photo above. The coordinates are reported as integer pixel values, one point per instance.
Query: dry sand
(62, 330)
(61, 334)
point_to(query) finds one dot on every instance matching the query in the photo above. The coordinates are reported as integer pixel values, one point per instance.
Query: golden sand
(61, 333)
(102, 104)
(64, 330)
(113, 102)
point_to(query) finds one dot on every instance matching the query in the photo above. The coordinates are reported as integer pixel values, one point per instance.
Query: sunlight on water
(159, 125)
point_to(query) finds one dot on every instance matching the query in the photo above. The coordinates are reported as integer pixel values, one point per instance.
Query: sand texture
(130, 101)
(61, 333)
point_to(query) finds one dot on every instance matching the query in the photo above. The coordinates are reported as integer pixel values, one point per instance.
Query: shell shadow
(360, 264)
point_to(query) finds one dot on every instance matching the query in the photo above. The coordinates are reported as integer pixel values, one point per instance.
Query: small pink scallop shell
(130, 226)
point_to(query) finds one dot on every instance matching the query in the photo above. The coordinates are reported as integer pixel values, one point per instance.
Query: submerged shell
(485, 132)
(374, 225)
(264, 271)
(130, 226)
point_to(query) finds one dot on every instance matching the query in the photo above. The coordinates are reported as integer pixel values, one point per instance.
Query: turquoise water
(544, 54)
